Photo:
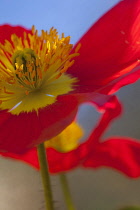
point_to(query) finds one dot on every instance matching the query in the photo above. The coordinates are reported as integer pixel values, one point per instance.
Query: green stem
(66, 192)
(45, 176)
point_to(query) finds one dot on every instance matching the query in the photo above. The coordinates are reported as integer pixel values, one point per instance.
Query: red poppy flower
(117, 152)
(41, 88)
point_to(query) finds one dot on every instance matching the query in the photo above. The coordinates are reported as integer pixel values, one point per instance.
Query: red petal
(118, 153)
(29, 157)
(59, 162)
(19, 133)
(113, 109)
(107, 69)
(78, 156)
(110, 49)
(6, 31)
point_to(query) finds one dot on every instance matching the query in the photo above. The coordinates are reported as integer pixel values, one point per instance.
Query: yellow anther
(73, 55)
(21, 67)
(39, 73)
(5, 91)
(62, 35)
(27, 92)
(27, 82)
(26, 74)
(33, 74)
(33, 29)
(77, 47)
(20, 74)
(30, 68)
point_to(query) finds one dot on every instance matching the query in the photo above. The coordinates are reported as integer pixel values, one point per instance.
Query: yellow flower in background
(67, 140)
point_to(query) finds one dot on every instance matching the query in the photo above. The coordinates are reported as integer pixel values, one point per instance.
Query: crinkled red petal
(68, 160)
(18, 133)
(110, 49)
(119, 153)
(78, 156)
(59, 162)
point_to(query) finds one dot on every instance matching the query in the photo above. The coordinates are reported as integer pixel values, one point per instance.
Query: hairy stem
(66, 192)
(45, 176)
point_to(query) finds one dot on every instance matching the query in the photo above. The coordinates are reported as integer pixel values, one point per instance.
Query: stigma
(33, 70)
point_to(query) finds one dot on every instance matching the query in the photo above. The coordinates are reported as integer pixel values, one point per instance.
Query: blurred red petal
(58, 161)
(118, 153)
(113, 109)
(78, 156)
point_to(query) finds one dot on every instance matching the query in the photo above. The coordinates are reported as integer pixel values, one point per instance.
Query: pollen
(33, 70)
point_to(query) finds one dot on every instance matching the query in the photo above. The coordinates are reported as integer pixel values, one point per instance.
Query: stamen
(78, 48)
(30, 66)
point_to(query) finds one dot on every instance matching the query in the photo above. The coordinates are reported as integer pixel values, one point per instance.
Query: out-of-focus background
(102, 189)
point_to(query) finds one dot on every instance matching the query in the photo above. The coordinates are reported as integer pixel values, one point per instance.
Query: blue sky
(72, 17)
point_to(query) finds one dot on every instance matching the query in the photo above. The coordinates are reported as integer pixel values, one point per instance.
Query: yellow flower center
(67, 140)
(33, 70)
